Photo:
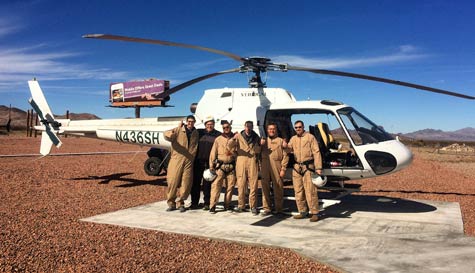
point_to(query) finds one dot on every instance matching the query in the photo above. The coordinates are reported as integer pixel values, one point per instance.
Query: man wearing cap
(247, 144)
(205, 143)
(222, 160)
(274, 165)
(307, 161)
(184, 144)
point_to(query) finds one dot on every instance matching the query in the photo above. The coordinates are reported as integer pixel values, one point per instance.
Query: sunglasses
(298, 127)
(226, 127)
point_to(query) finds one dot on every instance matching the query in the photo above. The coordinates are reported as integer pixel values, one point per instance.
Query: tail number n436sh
(146, 137)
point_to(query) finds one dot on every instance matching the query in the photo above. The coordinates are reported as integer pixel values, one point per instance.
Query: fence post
(67, 117)
(36, 123)
(28, 123)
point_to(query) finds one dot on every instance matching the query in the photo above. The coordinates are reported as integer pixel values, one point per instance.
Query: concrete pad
(358, 234)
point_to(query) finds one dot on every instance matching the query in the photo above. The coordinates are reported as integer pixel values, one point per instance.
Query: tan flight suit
(225, 172)
(274, 159)
(305, 149)
(246, 169)
(180, 167)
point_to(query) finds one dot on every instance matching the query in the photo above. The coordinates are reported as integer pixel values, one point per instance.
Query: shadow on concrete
(106, 179)
(271, 220)
(368, 203)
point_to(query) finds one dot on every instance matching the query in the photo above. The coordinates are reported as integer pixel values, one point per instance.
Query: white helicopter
(352, 146)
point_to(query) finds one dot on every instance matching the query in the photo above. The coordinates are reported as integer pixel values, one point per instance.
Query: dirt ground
(43, 199)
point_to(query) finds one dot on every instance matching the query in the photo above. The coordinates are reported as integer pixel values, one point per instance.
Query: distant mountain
(465, 134)
(79, 116)
(18, 117)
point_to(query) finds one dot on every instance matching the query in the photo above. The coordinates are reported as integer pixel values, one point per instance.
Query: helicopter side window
(361, 129)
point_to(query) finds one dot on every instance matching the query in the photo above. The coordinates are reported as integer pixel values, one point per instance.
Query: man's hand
(285, 144)
(282, 173)
(263, 141)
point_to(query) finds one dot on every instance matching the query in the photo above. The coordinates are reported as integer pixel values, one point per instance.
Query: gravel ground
(43, 199)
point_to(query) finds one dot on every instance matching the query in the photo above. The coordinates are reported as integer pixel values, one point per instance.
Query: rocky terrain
(44, 198)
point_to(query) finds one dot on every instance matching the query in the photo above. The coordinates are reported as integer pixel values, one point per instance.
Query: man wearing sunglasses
(222, 160)
(184, 144)
(248, 147)
(307, 161)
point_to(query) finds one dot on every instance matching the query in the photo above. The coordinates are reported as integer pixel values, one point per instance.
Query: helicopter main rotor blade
(371, 78)
(160, 42)
(195, 80)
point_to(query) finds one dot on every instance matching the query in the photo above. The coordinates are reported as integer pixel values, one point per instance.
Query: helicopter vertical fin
(46, 117)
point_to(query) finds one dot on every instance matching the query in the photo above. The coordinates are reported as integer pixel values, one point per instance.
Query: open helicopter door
(338, 156)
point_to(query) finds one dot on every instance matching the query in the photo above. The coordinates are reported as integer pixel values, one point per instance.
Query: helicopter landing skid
(340, 189)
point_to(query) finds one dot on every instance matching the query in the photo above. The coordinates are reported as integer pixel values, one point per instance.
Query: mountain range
(18, 117)
(465, 134)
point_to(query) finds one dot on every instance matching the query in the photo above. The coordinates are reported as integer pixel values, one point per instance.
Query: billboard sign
(134, 91)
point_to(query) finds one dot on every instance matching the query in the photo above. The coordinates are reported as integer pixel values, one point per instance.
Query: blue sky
(425, 42)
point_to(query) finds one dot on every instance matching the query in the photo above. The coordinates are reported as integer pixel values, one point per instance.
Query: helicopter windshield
(361, 129)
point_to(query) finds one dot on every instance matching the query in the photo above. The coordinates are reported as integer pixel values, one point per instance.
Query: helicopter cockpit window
(361, 129)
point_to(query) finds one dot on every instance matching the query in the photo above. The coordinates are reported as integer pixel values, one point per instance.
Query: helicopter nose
(403, 156)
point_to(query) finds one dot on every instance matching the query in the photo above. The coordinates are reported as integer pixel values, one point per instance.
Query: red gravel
(42, 201)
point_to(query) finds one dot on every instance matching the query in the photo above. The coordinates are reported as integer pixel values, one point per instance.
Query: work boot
(193, 207)
(301, 215)
(239, 210)
(182, 208)
(171, 208)
(314, 218)
(266, 213)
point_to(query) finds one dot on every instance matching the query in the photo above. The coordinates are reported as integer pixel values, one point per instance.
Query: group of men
(235, 158)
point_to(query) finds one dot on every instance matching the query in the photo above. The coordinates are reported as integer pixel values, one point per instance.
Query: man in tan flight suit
(248, 147)
(274, 165)
(184, 142)
(307, 161)
(222, 160)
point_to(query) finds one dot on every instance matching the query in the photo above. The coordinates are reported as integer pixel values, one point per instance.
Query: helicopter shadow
(130, 182)
(349, 205)
(369, 203)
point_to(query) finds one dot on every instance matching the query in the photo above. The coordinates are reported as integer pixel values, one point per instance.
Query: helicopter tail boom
(50, 126)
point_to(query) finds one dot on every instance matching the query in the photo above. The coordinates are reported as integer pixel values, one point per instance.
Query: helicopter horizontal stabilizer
(45, 116)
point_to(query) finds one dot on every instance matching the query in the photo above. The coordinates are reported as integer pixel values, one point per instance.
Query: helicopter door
(335, 147)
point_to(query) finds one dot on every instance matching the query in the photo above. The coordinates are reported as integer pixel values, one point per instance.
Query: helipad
(359, 234)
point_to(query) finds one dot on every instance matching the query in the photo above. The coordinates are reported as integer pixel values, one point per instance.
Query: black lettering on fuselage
(155, 137)
(147, 139)
(140, 137)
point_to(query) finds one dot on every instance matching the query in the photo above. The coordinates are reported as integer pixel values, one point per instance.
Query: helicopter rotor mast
(258, 65)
